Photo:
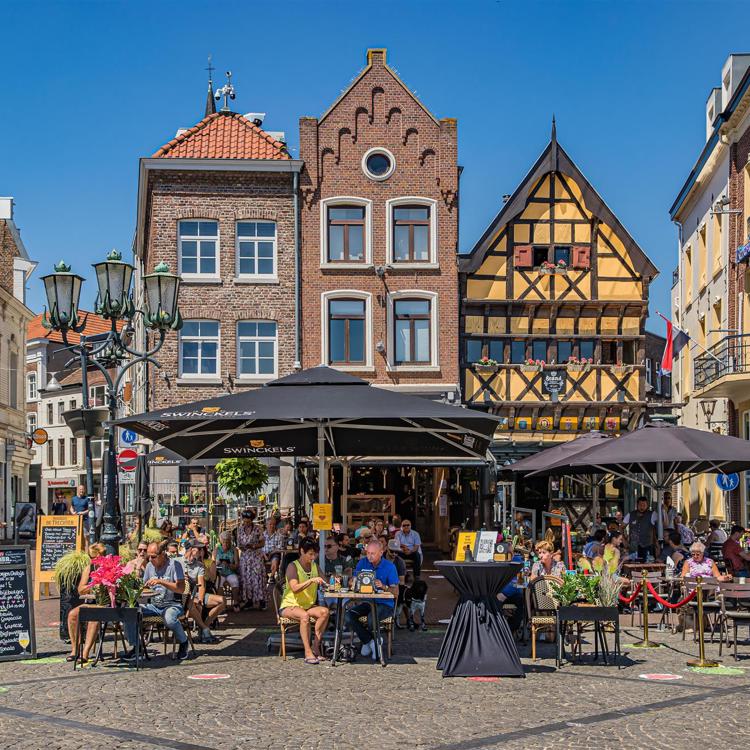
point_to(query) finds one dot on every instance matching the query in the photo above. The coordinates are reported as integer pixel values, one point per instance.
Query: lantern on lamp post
(114, 302)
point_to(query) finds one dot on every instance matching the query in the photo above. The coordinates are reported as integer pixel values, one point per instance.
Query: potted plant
(546, 267)
(561, 267)
(579, 365)
(533, 365)
(241, 477)
(486, 364)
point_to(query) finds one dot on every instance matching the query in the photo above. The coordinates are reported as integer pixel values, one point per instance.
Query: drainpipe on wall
(297, 279)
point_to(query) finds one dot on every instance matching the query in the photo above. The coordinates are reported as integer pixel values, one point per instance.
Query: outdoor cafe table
(634, 567)
(372, 600)
(478, 641)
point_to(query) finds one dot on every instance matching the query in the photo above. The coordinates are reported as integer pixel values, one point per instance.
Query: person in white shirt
(410, 545)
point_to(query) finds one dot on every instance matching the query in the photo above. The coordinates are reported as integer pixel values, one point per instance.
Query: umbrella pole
(659, 502)
(322, 489)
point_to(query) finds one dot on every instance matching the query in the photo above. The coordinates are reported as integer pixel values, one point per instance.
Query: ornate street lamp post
(114, 302)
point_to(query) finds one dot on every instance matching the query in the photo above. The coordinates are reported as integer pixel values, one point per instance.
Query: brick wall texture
(8, 251)
(379, 111)
(226, 197)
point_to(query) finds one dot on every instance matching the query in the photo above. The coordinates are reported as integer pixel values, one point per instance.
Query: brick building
(379, 221)
(15, 456)
(218, 204)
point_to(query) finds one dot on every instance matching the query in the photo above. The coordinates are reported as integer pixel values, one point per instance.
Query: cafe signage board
(17, 636)
(554, 381)
(55, 536)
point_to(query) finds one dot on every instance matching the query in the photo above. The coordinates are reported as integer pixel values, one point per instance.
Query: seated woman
(227, 560)
(546, 565)
(700, 565)
(204, 606)
(95, 550)
(300, 597)
(613, 551)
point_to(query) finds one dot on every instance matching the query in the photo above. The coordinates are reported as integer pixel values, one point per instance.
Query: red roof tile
(223, 135)
(94, 324)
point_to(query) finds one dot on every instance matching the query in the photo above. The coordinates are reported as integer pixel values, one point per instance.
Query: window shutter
(581, 257)
(523, 256)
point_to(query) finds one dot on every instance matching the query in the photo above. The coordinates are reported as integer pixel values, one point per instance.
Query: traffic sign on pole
(126, 459)
(728, 482)
(128, 436)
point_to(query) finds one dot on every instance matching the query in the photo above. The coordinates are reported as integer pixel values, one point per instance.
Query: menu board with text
(17, 636)
(55, 536)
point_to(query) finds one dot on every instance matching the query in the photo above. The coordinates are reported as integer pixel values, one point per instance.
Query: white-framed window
(72, 404)
(199, 349)
(13, 380)
(97, 395)
(256, 250)
(649, 372)
(411, 232)
(347, 329)
(378, 163)
(30, 423)
(50, 414)
(50, 453)
(345, 232)
(657, 378)
(256, 349)
(98, 446)
(31, 386)
(412, 330)
(60, 410)
(74, 451)
(198, 242)
(61, 452)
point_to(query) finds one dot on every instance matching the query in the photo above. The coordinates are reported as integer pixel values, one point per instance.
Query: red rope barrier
(667, 604)
(630, 599)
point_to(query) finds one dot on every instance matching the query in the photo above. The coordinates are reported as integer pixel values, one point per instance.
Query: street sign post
(728, 482)
(126, 459)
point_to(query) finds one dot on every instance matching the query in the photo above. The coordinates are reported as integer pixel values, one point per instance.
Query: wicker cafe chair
(156, 622)
(543, 608)
(386, 626)
(738, 596)
(284, 623)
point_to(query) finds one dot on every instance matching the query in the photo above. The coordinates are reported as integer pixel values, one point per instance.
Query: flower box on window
(532, 365)
(579, 365)
(620, 369)
(551, 268)
(486, 364)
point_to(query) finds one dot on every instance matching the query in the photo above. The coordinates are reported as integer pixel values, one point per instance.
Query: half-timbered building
(554, 304)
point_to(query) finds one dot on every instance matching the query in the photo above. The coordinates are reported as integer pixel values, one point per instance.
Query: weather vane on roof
(227, 91)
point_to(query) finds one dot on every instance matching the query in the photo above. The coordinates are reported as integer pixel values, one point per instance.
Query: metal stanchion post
(701, 660)
(645, 643)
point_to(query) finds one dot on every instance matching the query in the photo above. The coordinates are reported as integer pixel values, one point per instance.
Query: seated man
(167, 579)
(386, 578)
(736, 558)
(410, 545)
(335, 557)
(595, 547)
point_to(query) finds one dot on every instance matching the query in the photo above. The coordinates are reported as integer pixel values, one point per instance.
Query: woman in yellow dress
(300, 598)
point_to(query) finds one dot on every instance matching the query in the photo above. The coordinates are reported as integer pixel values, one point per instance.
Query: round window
(378, 164)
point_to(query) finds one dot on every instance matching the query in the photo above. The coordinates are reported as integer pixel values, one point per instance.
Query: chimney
(376, 57)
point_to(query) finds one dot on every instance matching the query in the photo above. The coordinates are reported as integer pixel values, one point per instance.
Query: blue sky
(96, 85)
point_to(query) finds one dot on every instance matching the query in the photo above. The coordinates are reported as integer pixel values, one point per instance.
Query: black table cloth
(478, 642)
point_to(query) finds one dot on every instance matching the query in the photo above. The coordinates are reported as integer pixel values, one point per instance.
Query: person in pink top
(700, 565)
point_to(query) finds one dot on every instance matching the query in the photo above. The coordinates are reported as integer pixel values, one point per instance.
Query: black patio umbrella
(319, 412)
(659, 453)
(142, 490)
(552, 456)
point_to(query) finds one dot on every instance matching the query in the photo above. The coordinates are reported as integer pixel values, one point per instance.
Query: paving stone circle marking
(483, 679)
(208, 677)
(660, 676)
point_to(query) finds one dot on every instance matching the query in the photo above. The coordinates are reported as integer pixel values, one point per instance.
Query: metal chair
(711, 605)
(738, 595)
(543, 608)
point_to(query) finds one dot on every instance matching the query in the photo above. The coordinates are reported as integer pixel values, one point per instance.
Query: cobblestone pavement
(267, 703)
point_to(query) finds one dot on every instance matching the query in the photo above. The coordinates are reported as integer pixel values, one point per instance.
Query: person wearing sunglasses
(700, 565)
(141, 558)
(166, 578)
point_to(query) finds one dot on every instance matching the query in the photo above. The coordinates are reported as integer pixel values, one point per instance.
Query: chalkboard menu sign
(554, 381)
(56, 541)
(55, 536)
(17, 637)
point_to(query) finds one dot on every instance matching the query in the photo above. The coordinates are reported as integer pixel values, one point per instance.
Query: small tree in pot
(241, 477)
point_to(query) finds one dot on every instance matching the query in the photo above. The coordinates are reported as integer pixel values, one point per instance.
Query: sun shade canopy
(283, 418)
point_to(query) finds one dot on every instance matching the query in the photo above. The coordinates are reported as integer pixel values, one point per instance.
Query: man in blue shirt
(386, 579)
